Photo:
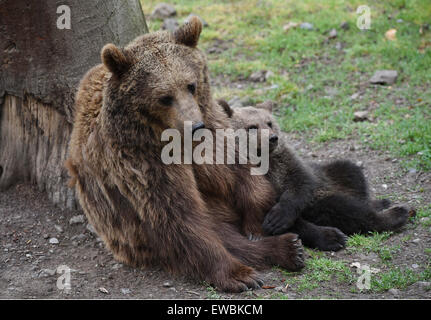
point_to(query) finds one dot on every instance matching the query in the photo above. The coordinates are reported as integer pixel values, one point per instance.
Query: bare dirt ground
(28, 260)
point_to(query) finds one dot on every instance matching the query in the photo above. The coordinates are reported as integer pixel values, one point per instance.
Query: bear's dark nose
(197, 126)
(273, 138)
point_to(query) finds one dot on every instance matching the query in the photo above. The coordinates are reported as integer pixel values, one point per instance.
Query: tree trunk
(40, 68)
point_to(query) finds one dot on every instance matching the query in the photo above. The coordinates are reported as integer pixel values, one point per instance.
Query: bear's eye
(252, 127)
(192, 88)
(269, 124)
(166, 100)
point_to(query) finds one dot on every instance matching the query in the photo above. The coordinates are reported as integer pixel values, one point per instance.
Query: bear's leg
(319, 237)
(352, 215)
(348, 176)
(284, 250)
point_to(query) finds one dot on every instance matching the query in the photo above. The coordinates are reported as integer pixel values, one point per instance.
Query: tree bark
(40, 68)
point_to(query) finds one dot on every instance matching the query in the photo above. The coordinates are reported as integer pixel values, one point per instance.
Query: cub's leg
(347, 176)
(319, 237)
(352, 215)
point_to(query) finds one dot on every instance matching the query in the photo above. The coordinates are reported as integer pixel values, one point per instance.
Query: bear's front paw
(278, 220)
(240, 279)
(289, 253)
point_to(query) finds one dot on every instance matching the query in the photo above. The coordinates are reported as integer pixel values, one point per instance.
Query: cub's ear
(188, 34)
(115, 59)
(267, 105)
(226, 107)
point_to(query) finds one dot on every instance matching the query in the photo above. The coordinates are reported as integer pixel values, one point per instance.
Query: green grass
(318, 270)
(375, 243)
(424, 212)
(306, 65)
(398, 278)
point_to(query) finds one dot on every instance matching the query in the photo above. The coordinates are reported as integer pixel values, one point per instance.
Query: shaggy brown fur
(333, 195)
(189, 219)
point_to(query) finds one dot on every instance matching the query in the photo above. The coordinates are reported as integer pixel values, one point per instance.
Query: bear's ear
(226, 107)
(115, 59)
(188, 34)
(267, 105)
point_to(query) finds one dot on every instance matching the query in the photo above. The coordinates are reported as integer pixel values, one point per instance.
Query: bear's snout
(273, 138)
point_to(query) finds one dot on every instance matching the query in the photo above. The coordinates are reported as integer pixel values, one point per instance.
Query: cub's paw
(330, 239)
(278, 220)
(394, 217)
(241, 278)
(289, 253)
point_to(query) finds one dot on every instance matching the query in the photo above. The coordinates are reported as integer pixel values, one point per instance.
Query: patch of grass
(374, 243)
(318, 270)
(212, 292)
(398, 278)
(424, 212)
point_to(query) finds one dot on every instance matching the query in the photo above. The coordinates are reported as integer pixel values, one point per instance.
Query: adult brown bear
(189, 219)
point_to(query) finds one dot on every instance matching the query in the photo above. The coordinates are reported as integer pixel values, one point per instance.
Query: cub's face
(159, 80)
(258, 117)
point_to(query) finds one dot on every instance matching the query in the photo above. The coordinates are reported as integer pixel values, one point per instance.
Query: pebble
(117, 266)
(125, 291)
(167, 284)
(53, 241)
(163, 10)
(77, 219)
(416, 241)
(306, 26)
(279, 289)
(415, 266)
(412, 171)
(360, 116)
(384, 77)
(58, 228)
(47, 272)
(46, 236)
(333, 33)
(258, 76)
(90, 228)
(103, 290)
(354, 96)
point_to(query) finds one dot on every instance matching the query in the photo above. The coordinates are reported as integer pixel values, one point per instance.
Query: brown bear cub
(189, 219)
(319, 202)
